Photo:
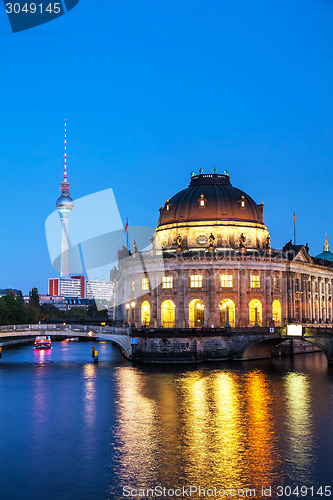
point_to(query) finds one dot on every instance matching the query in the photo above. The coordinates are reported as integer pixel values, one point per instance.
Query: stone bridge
(17, 334)
(198, 345)
(187, 345)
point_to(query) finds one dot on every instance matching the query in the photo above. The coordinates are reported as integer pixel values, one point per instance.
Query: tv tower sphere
(65, 203)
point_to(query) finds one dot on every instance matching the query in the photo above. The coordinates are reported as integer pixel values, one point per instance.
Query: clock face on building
(202, 239)
(165, 243)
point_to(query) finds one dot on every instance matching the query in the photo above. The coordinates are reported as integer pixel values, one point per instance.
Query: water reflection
(299, 422)
(217, 429)
(89, 371)
(138, 432)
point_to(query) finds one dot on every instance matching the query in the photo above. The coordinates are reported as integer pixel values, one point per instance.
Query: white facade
(99, 290)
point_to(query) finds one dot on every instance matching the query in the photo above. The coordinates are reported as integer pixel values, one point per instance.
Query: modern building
(67, 287)
(78, 286)
(99, 290)
(218, 268)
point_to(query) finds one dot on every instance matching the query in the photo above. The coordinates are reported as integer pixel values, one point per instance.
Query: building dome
(65, 203)
(326, 254)
(212, 203)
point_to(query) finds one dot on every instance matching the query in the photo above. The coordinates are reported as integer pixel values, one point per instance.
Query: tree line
(14, 311)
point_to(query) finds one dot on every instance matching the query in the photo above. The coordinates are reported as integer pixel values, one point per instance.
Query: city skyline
(253, 95)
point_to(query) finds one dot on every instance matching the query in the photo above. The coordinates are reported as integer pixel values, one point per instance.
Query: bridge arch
(263, 348)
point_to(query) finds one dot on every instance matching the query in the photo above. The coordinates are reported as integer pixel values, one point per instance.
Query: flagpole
(294, 229)
(126, 231)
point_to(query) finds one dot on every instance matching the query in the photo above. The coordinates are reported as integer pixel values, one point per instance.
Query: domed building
(212, 205)
(211, 266)
(326, 254)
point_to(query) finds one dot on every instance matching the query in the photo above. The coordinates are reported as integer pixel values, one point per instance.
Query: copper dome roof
(222, 202)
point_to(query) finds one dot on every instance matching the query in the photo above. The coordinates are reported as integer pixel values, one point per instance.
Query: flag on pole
(126, 226)
(294, 217)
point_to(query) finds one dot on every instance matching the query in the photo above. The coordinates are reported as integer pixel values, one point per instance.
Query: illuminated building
(219, 267)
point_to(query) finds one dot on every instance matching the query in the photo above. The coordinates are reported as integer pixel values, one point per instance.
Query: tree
(34, 298)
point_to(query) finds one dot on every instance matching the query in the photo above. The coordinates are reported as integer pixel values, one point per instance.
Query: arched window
(227, 313)
(168, 314)
(145, 313)
(255, 313)
(276, 312)
(196, 313)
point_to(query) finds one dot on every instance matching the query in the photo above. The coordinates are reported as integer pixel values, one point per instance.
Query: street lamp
(130, 306)
(256, 307)
(200, 307)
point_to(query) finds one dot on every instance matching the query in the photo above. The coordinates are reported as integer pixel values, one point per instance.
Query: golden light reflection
(299, 421)
(260, 442)
(138, 428)
(229, 430)
(195, 421)
(196, 427)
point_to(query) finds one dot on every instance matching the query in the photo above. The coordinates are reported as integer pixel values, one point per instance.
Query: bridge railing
(64, 328)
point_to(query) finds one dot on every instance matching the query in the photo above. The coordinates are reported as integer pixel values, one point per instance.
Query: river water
(71, 429)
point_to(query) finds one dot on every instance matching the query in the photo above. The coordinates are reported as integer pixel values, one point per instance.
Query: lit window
(255, 281)
(242, 201)
(167, 282)
(202, 201)
(133, 286)
(168, 205)
(226, 280)
(196, 281)
(145, 284)
(276, 281)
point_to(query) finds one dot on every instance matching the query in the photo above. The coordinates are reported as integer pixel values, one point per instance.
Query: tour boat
(43, 342)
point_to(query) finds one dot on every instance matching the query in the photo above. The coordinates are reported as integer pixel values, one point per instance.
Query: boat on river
(43, 342)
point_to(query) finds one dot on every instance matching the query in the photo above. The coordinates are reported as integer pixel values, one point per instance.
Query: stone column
(290, 296)
(268, 298)
(330, 308)
(304, 314)
(320, 302)
(243, 312)
(211, 298)
(180, 319)
(153, 306)
(284, 290)
(324, 310)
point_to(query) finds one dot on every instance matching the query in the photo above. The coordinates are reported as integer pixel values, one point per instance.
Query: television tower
(64, 204)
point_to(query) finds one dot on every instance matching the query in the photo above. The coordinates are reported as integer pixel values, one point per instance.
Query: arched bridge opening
(263, 349)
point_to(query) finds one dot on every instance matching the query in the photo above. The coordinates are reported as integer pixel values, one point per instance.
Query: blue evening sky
(157, 88)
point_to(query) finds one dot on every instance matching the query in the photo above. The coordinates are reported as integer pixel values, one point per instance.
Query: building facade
(211, 265)
(78, 286)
